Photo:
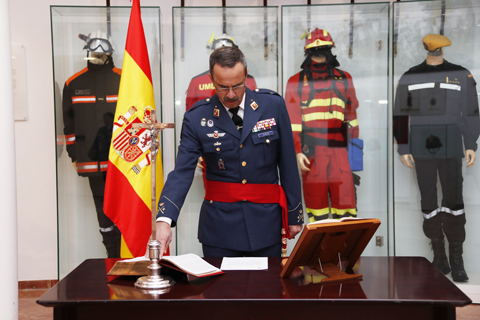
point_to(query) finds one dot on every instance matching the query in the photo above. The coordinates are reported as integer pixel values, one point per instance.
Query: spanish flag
(128, 186)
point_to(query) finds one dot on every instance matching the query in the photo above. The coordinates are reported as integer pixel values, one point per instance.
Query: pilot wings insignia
(215, 134)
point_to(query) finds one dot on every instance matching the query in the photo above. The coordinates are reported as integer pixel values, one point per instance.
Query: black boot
(439, 257)
(112, 240)
(456, 262)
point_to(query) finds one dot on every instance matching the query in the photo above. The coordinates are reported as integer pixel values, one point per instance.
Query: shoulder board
(200, 103)
(266, 91)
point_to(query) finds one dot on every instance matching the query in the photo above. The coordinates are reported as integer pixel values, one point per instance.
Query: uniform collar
(241, 111)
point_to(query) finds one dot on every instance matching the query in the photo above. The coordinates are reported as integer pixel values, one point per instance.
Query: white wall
(35, 137)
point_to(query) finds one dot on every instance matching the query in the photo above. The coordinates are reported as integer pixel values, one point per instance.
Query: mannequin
(435, 119)
(89, 102)
(322, 103)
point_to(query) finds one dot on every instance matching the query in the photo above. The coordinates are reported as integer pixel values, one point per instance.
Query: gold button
(211, 201)
(256, 90)
(268, 140)
(301, 211)
(218, 149)
(244, 200)
(244, 163)
(208, 99)
(241, 146)
(244, 181)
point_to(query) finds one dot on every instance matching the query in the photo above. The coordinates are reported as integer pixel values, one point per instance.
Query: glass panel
(435, 120)
(196, 32)
(323, 111)
(78, 227)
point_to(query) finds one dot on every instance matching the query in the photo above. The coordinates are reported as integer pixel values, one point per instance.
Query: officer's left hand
(470, 157)
(295, 229)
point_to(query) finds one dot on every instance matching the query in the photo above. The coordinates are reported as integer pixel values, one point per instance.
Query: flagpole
(154, 282)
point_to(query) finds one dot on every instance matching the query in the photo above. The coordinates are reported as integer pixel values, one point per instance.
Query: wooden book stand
(327, 247)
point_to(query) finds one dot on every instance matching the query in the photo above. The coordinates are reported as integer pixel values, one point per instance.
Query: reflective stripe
(325, 103)
(84, 99)
(443, 209)
(103, 166)
(421, 86)
(323, 116)
(107, 229)
(353, 123)
(70, 139)
(453, 212)
(318, 43)
(296, 127)
(112, 98)
(317, 214)
(450, 86)
(87, 167)
(431, 214)
(342, 212)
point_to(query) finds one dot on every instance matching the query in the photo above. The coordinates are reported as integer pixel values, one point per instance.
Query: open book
(189, 263)
(336, 220)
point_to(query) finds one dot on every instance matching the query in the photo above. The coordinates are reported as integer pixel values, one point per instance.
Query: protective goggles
(99, 45)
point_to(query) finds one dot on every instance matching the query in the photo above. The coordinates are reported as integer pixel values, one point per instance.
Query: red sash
(256, 193)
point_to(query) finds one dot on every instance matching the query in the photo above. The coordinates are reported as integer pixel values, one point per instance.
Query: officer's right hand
(303, 161)
(407, 160)
(164, 235)
(199, 163)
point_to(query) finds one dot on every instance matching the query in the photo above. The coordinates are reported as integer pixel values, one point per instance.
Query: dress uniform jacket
(201, 87)
(262, 152)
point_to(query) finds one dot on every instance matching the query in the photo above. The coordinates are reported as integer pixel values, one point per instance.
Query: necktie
(236, 118)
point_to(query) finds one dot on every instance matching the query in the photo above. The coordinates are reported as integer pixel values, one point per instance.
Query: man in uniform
(201, 86)
(246, 141)
(435, 117)
(322, 104)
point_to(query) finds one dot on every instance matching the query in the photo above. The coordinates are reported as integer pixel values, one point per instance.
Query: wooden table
(391, 288)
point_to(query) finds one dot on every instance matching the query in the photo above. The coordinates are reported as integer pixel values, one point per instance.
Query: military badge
(216, 112)
(210, 123)
(203, 122)
(254, 105)
(264, 125)
(265, 134)
(221, 164)
(216, 134)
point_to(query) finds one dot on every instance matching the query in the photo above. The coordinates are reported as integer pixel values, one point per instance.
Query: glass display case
(197, 32)
(335, 83)
(436, 123)
(82, 38)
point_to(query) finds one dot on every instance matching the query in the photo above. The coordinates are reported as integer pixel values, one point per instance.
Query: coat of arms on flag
(131, 143)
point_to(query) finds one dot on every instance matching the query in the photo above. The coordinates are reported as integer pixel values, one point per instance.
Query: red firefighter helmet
(318, 38)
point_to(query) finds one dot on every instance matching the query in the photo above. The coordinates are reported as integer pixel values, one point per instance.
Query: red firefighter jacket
(320, 100)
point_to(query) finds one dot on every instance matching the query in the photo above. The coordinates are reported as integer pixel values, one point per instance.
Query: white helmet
(223, 41)
(98, 41)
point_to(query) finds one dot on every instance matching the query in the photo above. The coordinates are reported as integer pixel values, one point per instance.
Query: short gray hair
(227, 57)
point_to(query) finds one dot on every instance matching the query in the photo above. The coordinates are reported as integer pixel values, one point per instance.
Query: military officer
(245, 138)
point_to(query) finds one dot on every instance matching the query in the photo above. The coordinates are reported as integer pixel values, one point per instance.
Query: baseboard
(36, 284)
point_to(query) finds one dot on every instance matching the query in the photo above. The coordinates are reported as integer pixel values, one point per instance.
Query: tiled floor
(30, 310)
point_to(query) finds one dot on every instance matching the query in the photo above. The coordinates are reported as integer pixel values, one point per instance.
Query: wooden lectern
(330, 248)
